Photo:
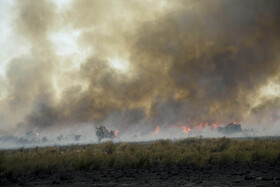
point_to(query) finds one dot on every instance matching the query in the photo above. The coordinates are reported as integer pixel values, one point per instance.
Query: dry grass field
(108, 156)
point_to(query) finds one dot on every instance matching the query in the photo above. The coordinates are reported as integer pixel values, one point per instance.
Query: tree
(102, 132)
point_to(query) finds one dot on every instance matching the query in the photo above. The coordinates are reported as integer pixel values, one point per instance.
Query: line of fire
(102, 134)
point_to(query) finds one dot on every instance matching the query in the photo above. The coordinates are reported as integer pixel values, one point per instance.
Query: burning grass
(33, 161)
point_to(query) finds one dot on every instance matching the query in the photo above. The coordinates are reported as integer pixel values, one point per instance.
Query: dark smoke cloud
(28, 76)
(189, 61)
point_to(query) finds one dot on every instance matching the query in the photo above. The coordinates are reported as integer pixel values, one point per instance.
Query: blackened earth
(238, 174)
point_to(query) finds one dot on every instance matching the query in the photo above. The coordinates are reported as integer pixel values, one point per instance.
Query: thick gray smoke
(143, 64)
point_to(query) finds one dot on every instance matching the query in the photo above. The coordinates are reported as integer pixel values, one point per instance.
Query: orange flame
(206, 124)
(186, 129)
(116, 132)
(157, 130)
(199, 127)
(272, 120)
(214, 125)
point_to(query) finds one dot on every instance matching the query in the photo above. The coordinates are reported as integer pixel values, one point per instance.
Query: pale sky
(10, 45)
(64, 41)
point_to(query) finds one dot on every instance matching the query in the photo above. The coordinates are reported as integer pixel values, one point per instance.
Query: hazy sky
(11, 45)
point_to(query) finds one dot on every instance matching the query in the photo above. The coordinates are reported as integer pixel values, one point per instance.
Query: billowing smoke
(138, 64)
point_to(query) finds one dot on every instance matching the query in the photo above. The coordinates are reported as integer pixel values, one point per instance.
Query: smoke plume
(138, 64)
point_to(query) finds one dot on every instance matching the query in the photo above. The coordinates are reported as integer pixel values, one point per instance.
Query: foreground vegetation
(137, 155)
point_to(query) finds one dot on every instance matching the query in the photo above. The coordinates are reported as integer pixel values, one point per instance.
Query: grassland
(48, 160)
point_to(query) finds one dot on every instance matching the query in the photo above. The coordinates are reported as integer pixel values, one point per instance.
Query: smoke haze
(139, 64)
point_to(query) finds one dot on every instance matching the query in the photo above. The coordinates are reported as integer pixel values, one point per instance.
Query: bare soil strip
(238, 174)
